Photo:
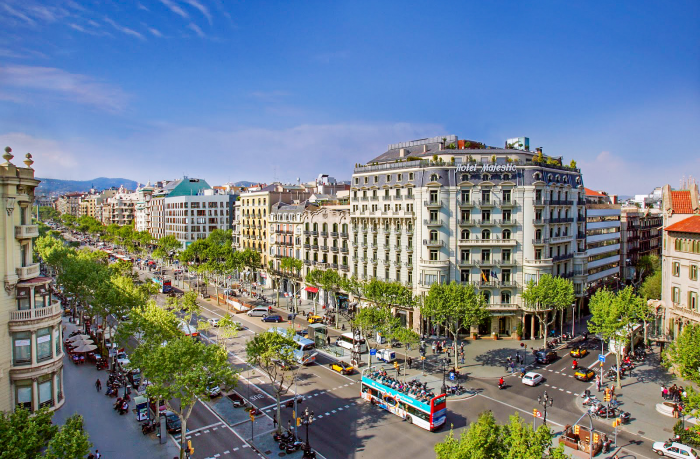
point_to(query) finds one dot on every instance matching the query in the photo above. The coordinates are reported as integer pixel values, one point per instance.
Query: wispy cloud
(97, 33)
(18, 14)
(155, 32)
(194, 27)
(175, 8)
(125, 30)
(142, 7)
(59, 83)
(202, 9)
(50, 156)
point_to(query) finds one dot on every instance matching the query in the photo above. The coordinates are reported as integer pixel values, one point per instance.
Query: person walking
(98, 385)
(98, 455)
(462, 355)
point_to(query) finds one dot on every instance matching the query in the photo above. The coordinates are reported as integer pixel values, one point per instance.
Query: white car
(673, 449)
(122, 359)
(214, 321)
(532, 379)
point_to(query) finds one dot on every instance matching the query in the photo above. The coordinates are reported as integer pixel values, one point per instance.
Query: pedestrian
(432, 346)
(91, 456)
(461, 348)
(597, 383)
(274, 421)
(328, 340)
(410, 362)
(612, 390)
(462, 355)
(98, 385)
(97, 454)
(512, 367)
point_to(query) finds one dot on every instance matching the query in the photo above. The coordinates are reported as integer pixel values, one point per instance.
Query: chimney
(402, 152)
(425, 148)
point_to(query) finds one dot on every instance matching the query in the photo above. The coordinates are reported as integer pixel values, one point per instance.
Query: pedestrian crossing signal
(190, 448)
(252, 417)
(298, 422)
(576, 429)
(595, 438)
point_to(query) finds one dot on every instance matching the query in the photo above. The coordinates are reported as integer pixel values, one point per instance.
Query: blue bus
(164, 285)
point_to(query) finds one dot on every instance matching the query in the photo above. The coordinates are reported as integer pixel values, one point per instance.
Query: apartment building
(603, 241)
(641, 236)
(31, 355)
(285, 222)
(155, 204)
(91, 203)
(119, 209)
(189, 218)
(142, 211)
(255, 207)
(444, 209)
(69, 204)
(680, 261)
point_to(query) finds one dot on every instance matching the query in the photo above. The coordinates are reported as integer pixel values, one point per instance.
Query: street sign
(452, 375)
(537, 413)
(601, 358)
(372, 352)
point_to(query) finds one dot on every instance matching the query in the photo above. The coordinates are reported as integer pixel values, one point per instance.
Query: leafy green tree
(273, 353)
(190, 307)
(228, 328)
(683, 355)
(647, 266)
(371, 320)
(329, 280)
(651, 287)
(454, 306)
(291, 270)
(405, 336)
(48, 213)
(25, 435)
(546, 297)
(165, 246)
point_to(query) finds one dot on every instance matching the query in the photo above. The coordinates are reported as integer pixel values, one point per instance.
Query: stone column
(34, 347)
(35, 394)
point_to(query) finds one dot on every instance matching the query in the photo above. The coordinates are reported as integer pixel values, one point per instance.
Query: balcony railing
(540, 241)
(26, 231)
(344, 235)
(432, 203)
(566, 256)
(465, 203)
(493, 240)
(437, 222)
(38, 313)
(433, 243)
(469, 222)
(28, 272)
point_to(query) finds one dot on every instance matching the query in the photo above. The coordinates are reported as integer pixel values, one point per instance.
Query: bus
(164, 285)
(187, 329)
(429, 414)
(304, 349)
(346, 341)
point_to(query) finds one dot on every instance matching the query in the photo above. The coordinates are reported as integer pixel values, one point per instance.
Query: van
(258, 312)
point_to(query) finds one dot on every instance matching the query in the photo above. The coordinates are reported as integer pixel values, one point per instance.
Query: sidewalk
(117, 437)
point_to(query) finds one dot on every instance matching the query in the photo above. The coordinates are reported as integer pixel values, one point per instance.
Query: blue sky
(259, 91)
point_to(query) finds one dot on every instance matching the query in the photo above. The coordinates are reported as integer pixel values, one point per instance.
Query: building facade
(603, 241)
(31, 355)
(190, 218)
(439, 210)
(641, 231)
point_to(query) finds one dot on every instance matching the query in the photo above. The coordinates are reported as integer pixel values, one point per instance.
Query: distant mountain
(245, 183)
(55, 186)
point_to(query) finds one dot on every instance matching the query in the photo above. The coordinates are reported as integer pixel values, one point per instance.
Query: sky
(261, 91)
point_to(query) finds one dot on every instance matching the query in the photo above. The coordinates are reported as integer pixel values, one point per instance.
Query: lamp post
(444, 363)
(307, 418)
(296, 425)
(573, 320)
(546, 401)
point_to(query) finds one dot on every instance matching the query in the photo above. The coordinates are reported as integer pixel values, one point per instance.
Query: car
(258, 312)
(673, 449)
(123, 359)
(532, 379)
(578, 352)
(303, 333)
(214, 391)
(341, 367)
(272, 318)
(214, 321)
(314, 319)
(172, 422)
(135, 378)
(229, 292)
(545, 356)
(584, 374)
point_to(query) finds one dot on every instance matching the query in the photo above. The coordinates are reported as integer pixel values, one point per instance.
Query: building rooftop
(681, 203)
(590, 192)
(688, 225)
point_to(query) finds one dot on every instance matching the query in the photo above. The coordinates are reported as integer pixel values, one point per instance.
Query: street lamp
(545, 400)
(444, 362)
(307, 418)
(296, 425)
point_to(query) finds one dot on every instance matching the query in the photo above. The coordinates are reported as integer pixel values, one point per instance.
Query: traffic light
(595, 438)
(534, 412)
(607, 397)
(616, 423)
(190, 448)
(252, 417)
(576, 429)
(298, 422)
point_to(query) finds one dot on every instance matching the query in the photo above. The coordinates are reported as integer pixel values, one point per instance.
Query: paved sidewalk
(117, 437)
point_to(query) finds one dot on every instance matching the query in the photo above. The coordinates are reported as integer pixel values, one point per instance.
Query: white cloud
(174, 8)
(125, 30)
(155, 32)
(202, 9)
(142, 7)
(56, 82)
(18, 14)
(51, 158)
(196, 29)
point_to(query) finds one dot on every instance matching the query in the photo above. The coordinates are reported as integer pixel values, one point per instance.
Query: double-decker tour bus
(164, 285)
(408, 401)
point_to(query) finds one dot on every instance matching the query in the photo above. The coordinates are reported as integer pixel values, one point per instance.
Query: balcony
(468, 263)
(409, 231)
(508, 262)
(321, 264)
(488, 222)
(561, 220)
(509, 203)
(324, 248)
(26, 231)
(432, 203)
(334, 234)
(487, 262)
(374, 198)
(470, 222)
(540, 202)
(50, 312)
(28, 272)
(581, 236)
(433, 243)
(374, 230)
(324, 233)
(557, 239)
(409, 248)
(465, 203)
(443, 263)
(386, 198)
(344, 249)
(314, 247)
(488, 202)
(492, 241)
(397, 231)
(539, 262)
(408, 264)
(344, 235)
(344, 268)
(334, 249)
(437, 222)
(508, 284)
(501, 306)
(566, 256)
(538, 221)
(334, 265)
(540, 241)
(399, 198)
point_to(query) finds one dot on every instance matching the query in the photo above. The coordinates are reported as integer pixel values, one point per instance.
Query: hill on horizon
(58, 186)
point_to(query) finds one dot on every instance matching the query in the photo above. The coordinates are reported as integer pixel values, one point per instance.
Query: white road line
(529, 413)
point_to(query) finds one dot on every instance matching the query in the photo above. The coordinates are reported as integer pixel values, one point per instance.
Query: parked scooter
(148, 427)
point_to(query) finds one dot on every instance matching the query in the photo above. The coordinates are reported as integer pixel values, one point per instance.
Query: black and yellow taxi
(341, 367)
(584, 374)
(578, 352)
(314, 319)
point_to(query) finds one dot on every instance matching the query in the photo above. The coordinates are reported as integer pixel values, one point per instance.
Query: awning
(34, 281)
(311, 289)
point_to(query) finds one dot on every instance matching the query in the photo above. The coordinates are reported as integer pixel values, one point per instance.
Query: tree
(228, 328)
(647, 266)
(371, 320)
(548, 295)
(651, 287)
(486, 439)
(190, 307)
(454, 306)
(329, 280)
(24, 435)
(48, 213)
(683, 355)
(273, 353)
(165, 246)
(406, 337)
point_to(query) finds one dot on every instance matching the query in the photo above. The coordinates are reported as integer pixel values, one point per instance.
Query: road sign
(372, 352)
(601, 358)
(452, 375)
(537, 413)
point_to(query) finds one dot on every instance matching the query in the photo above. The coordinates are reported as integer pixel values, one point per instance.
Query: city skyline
(167, 88)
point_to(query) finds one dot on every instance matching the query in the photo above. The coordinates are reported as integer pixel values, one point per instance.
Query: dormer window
(434, 178)
(506, 176)
(485, 177)
(465, 177)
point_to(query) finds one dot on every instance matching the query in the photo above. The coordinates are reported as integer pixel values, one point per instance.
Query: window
(505, 254)
(434, 178)
(376, 179)
(46, 391)
(505, 297)
(465, 177)
(485, 196)
(486, 255)
(433, 215)
(507, 215)
(22, 348)
(693, 272)
(464, 255)
(465, 234)
(506, 234)
(410, 175)
(693, 300)
(23, 394)
(43, 344)
(505, 276)
(676, 294)
(486, 216)
(433, 255)
(388, 177)
(506, 195)
(464, 275)
(433, 196)
(465, 195)
(433, 236)
(676, 269)
(399, 177)
(486, 234)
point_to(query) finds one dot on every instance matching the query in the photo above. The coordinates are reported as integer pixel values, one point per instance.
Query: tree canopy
(550, 294)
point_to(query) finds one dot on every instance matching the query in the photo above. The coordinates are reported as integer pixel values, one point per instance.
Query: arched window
(306, 226)
(325, 227)
(465, 234)
(506, 234)
(537, 176)
(434, 178)
(485, 177)
(335, 227)
(465, 177)
(345, 227)
(506, 176)
(315, 226)
(486, 234)
(487, 297)
(433, 235)
(538, 234)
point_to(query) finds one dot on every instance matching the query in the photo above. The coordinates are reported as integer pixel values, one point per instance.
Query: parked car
(673, 449)
(214, 391)
(258, 312)
(304, 333)
(214, 321)
(272, 318)
(545, 356)
(123, 359)
(584, 374)
(172, 422)
(532, 379)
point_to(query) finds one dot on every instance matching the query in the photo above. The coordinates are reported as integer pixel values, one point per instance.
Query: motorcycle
(293, 446)
(567, 336)
(148, 427)
(625, 417)
(456, 390)
(502, 386)
(290, 403)
(605, 412)
(590, 401)
(606, 445)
